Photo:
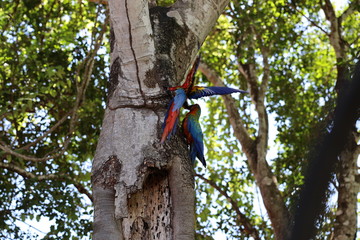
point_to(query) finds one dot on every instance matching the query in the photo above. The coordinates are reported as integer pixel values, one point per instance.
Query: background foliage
(299, 100)
(53, 88)
(53, 93)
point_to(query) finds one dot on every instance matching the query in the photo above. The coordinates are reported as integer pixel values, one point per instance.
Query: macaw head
(194, 109)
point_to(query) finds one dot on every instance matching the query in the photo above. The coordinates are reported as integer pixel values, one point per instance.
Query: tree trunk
(142, 189)
(346, 215)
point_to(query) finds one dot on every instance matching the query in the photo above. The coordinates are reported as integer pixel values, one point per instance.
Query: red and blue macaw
(194, 136)
(171, 117)
(172, 114)
(188, 90)
(194, 92)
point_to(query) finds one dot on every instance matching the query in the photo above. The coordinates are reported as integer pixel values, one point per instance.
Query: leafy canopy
(52, 96)
(299, 98)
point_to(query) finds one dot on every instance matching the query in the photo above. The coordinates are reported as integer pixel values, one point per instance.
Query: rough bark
(346, 216)
(255, 150)
(142, 189)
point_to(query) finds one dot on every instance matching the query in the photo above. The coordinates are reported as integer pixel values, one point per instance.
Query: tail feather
(169, 126)
(202, 159)
(193, 154)
(172, 114)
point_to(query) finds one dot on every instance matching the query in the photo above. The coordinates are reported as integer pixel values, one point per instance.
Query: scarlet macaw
(188, 90)
(171, 117)
(172, 114)
(194, 92)
(194, 136)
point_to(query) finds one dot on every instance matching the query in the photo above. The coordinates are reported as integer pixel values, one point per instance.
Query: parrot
(193, 133)
(171, 117)
(194, 92)
(172, 114)
(188, 91)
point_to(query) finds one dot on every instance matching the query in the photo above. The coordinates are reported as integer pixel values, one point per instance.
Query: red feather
(170, 122)
(172, 114)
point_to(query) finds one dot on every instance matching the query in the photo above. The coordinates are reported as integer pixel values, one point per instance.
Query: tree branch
(266, 74)
(255, 150)
(104, 2)
(53, 128)
(26, 174)
(263, 130)
(249, 73)
(201, 13)
(22, 172)
(81, 90)
(241, 68)
(239, 127)
(351, 8)
(249, 228)
(89, 65)
(307, 18)
(337, 42)
(7, 149)
(329, 11)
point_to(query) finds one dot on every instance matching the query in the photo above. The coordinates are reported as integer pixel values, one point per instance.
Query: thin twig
(29, 225)
(240, 130)
(30, 175)
(53, 128)
(311, 21)
(351, 8)
(89, 64)
(241, 218)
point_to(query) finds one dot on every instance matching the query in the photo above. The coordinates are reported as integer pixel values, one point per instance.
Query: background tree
(272, 45)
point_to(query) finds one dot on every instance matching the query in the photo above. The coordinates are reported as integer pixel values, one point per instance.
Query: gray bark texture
(142, 189)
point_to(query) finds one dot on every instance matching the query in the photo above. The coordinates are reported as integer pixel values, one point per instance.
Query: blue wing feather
(167, 113)
(179, 99)
(209, 91)
(172, 114)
